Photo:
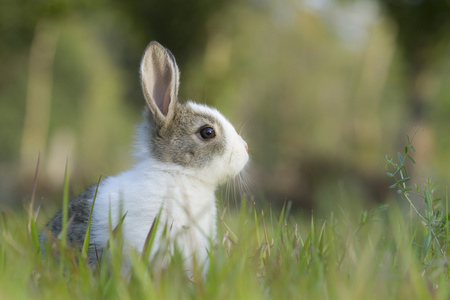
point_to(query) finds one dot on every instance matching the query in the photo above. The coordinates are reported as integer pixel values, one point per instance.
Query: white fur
(185, 195)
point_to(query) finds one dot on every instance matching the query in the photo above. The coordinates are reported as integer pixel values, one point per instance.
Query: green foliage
(421, 24)
(259, 254)
(434, 217)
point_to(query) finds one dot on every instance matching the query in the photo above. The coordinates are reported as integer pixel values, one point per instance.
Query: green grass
(383, 253)
(257, 257)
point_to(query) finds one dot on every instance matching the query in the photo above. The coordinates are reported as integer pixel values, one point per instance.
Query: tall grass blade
(33, 192)
(31, 228)
(281, 220)
(65, 209)
(85, 248)
(4, 221)
(313, 230)
(114, 245)
(33, 233)
(151, 237)
(266, 234)
(258, 237)
(305, 251)
(2, 257)
(321, 239)
(118, 229)
(447, 233)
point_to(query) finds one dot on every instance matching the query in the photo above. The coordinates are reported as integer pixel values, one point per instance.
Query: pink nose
(246, 147)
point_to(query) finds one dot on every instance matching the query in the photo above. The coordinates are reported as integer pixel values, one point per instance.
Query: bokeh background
(320, 89)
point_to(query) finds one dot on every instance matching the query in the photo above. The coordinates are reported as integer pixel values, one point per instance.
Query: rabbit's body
(187, 208)
(184, 151)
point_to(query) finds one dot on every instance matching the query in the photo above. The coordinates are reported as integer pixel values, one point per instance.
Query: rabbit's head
(190, 137)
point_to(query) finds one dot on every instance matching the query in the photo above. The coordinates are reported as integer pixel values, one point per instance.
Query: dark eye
(207, 133)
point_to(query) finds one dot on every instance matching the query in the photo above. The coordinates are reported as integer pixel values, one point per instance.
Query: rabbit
(183, 152)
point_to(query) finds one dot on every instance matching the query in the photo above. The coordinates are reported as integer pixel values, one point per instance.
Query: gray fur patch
(79, 209)
(177, 141)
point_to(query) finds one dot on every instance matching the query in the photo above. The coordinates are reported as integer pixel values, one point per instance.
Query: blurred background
(320, 89)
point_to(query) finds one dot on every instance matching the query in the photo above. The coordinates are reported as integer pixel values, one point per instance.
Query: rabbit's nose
(246, 147)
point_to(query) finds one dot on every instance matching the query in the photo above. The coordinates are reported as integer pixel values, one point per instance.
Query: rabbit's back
(78, 218)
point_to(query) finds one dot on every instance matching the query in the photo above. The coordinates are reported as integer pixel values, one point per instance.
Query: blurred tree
(177, 24)
(23, 22)
(421, 25)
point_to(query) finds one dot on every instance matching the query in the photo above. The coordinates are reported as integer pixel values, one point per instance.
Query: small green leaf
(400, 158)
(393, 186)
(412, 159)
(397, 171)
(407, 189)
(406, 149)
(390, 175)
(427, 196)
(412, 147)
(426, 244)
(363, 217)
(404, 179)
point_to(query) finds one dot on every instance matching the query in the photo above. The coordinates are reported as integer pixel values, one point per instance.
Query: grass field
(383, 253)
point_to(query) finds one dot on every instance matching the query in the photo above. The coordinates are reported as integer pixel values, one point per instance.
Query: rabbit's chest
(191, 210)
(188, 214)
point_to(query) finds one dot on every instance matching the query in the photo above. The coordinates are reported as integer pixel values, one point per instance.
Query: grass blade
(151, 237)
(65, 209)
(33, 192)
(427, 197)
(33, 234)
(85, 248)
(426, 244)
(321, 239)
(258, 238)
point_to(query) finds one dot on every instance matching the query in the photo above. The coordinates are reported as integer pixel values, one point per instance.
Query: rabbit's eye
(207, 133)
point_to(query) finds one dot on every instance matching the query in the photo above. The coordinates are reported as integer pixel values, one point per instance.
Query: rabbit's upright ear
(159, 79)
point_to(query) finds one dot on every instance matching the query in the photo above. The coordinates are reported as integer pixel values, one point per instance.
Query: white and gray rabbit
(184, 152)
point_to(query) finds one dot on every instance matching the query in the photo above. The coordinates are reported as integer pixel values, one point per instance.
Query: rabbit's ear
(159, 79)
